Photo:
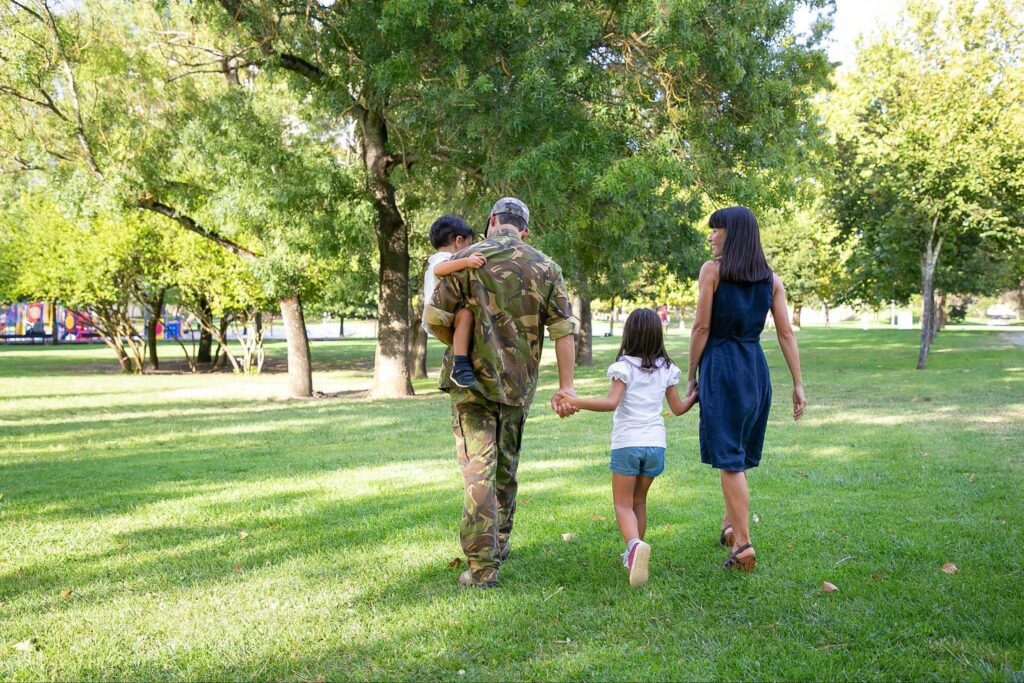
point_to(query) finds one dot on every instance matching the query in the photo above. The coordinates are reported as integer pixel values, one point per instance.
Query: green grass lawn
(170, 527)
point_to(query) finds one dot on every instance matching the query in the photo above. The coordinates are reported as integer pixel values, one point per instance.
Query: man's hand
(560, 405)
(475, 260)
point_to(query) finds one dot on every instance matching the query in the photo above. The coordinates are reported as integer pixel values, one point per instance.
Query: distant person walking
(736, 291)
(513, 296)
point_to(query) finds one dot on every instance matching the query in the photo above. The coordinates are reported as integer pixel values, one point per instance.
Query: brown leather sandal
(746, 564)
(726, 536)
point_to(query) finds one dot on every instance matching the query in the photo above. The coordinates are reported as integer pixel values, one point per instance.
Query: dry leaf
(29, 645)
(828, 587)
(457, 562)
(568, 537)
(803, 474)
(66, 593)
(597, 518)
(243, 535)
(950, 568)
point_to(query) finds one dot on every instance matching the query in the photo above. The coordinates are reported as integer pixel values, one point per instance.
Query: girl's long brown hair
(642, 337)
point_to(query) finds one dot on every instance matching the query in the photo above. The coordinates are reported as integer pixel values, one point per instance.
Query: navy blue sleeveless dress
(733, 385)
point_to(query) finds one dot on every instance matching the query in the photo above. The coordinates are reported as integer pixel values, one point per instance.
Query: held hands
(562, 403)
(799, 401)
(475, 260)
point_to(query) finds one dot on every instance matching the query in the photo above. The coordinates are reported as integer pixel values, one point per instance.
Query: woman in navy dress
(736, 291)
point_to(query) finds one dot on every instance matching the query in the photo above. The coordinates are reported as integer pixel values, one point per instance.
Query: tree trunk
(797, 310)
(611, 318)
(223, 352)
(828, 315)
(928, 262)
(417, 342)
(941, 317)
(156, 310)
(300, 366)
(56, 323)
(203, 355)
(391, 372)
(585, 339)
(341, 327)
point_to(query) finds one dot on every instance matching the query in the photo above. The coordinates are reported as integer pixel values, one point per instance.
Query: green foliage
(929, 133)
(803, 246)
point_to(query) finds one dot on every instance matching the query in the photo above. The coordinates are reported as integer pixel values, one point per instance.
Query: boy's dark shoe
(463, 376)
(485, 578)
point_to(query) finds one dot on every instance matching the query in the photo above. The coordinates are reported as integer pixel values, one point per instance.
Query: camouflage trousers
(487, 440)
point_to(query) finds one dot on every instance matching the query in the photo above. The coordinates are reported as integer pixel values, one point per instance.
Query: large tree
(929, 132)
(560, 103)
(133, 105)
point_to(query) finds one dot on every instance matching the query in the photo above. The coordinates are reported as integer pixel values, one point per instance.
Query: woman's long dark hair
(742, 258)
(642, 338)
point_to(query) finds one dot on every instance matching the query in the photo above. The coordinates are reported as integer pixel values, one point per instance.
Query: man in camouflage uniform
(517, 293)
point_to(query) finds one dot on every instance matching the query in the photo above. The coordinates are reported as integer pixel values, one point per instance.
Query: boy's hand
(475, 260)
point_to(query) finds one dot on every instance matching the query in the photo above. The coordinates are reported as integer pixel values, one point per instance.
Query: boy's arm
(454, 265)
(676, 403)
(600, 405)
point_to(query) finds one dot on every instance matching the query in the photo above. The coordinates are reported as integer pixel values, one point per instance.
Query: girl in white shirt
(642, 378)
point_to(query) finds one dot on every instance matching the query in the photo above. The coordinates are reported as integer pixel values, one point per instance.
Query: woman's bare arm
(707, 282)
(787, 342)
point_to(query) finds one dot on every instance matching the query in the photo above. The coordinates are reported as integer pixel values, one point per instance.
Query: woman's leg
(725, 514)
(622, 497)
(640, 489)
(737, 507)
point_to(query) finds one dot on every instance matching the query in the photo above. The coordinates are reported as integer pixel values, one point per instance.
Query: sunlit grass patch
(202, 527)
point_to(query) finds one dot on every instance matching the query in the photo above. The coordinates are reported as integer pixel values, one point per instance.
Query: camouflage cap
(513, 206)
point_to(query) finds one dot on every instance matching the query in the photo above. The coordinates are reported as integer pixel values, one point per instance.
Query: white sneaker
(637, 562)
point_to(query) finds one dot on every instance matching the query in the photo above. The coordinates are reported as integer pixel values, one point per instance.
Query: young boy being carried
(448, 235)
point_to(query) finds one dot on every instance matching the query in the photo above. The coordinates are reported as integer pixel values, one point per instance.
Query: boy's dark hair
(446, 228)
(642, 338)
(742, 258)
(512, 219)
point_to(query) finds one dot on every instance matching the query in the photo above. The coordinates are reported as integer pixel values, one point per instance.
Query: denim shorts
(636, 460)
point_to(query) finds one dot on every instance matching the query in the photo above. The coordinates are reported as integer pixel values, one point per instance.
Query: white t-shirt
(430, 281)
(637, 421)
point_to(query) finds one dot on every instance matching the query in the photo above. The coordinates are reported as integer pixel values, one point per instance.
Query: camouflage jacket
(517, 293)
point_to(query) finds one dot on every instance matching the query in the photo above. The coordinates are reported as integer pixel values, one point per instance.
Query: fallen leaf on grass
(828, 587)
(950, 568)
(803, 474)
(457, 562)
(567, 641)
(238, 567)
(557, 591)
(243, 535)
(66, 593)
(30, 645)
(597, 518)
(568, 537)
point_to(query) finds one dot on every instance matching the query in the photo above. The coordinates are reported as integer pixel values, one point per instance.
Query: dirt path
(1015, 338)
